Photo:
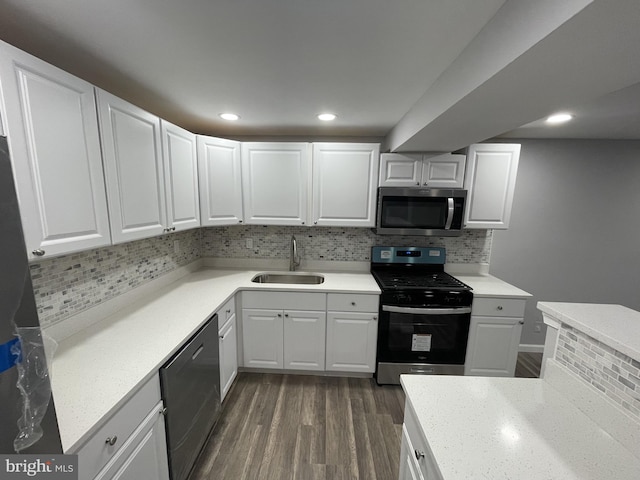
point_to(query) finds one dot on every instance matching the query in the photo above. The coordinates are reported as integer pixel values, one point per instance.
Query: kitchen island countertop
(512, 428)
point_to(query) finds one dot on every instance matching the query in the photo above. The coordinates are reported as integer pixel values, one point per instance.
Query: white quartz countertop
(96, 370)
(512, 429)
(490, 286)
(613, 325)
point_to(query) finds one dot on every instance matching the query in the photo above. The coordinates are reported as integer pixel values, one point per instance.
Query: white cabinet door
(443, 171)
(409, 468)
(133, 169)
(344, 184)
(351, 341)
(220, 181)
(304, 339)
(181, 177)
(400, 170)
(275, 183)
(262, 338)
(144, 455)
(228, 356)
(493, 346)
(51, 123)
(490, 181)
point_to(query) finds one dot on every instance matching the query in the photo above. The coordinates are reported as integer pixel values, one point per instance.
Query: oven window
(424, 338)
(414, 212)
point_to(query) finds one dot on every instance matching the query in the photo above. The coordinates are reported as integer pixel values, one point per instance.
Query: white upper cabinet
(181, 177)
(344, 184)
(275, 183)
(50, 120)
(428, 170)
(133, 168)
(220, 181)
(443, 171)
(400, 170)
(490, 181)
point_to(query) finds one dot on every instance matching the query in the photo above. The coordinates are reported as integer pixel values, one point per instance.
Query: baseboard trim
(531, 348)
(317, 373)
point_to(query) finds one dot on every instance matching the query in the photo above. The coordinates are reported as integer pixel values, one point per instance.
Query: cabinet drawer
(95, 454)
(285, 300)
(225, 312)
(421, 451)
(498, 307)
(352, 302)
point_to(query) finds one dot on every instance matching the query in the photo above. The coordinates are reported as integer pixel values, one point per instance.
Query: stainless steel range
(424, 314)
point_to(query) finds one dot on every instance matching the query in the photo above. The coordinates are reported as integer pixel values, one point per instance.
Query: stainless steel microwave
(420, 211)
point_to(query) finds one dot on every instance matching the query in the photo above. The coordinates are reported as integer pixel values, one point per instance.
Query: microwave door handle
(447, 225)
(426, 311)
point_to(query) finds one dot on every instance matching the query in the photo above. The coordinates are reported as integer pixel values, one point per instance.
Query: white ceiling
(425, 74)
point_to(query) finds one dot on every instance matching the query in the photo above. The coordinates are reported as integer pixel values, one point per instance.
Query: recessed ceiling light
(559, 118)
(229, 116)
(327, 117)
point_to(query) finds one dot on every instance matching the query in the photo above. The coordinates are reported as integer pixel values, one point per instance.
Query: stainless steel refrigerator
(27, 414)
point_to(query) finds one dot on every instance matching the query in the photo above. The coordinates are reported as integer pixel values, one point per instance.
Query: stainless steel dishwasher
(190, 383)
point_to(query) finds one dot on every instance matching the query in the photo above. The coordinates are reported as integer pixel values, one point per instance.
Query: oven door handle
(427, 311)
(450, 210)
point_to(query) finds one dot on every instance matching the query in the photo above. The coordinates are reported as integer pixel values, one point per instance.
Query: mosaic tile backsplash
(67, 285)
(334, 243)
(610, 372)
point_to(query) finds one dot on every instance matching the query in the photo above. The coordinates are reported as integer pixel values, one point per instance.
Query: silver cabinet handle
(353, 304)
(38, 252)
(286, 315)
(239, 221)
(163, 411)
(418, 183)
(279, 314)
(111, 440)
(499, 307)
(521, 322)
(418, 454)
(228, 311)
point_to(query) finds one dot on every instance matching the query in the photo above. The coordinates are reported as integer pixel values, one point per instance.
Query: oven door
(423, 335)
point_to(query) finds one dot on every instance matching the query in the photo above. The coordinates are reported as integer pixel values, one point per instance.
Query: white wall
(575, 226)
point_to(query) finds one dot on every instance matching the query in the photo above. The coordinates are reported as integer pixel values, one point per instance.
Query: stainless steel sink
(289, 277)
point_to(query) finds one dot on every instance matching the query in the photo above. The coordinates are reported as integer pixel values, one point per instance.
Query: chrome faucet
(294, 258)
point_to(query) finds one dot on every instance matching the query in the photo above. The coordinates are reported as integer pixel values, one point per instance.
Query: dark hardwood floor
(528, 365)
(304, 427)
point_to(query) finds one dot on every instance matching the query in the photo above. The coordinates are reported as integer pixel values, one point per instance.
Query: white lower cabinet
(416, 459)
(144, 455)
(131, 444)
(304, 339)
(351, 342)
(263, 338)
(228, 335)
(352, 332)
(283, 335)
(494, 336)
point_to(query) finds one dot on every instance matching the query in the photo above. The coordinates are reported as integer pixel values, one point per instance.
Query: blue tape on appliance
(10, 354)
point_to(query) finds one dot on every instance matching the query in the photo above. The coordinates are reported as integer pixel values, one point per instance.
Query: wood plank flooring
(305, 427)
(290, 427)
(528, 365)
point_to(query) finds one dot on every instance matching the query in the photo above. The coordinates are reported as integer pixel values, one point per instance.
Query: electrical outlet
(249, 242)
(176, 246)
